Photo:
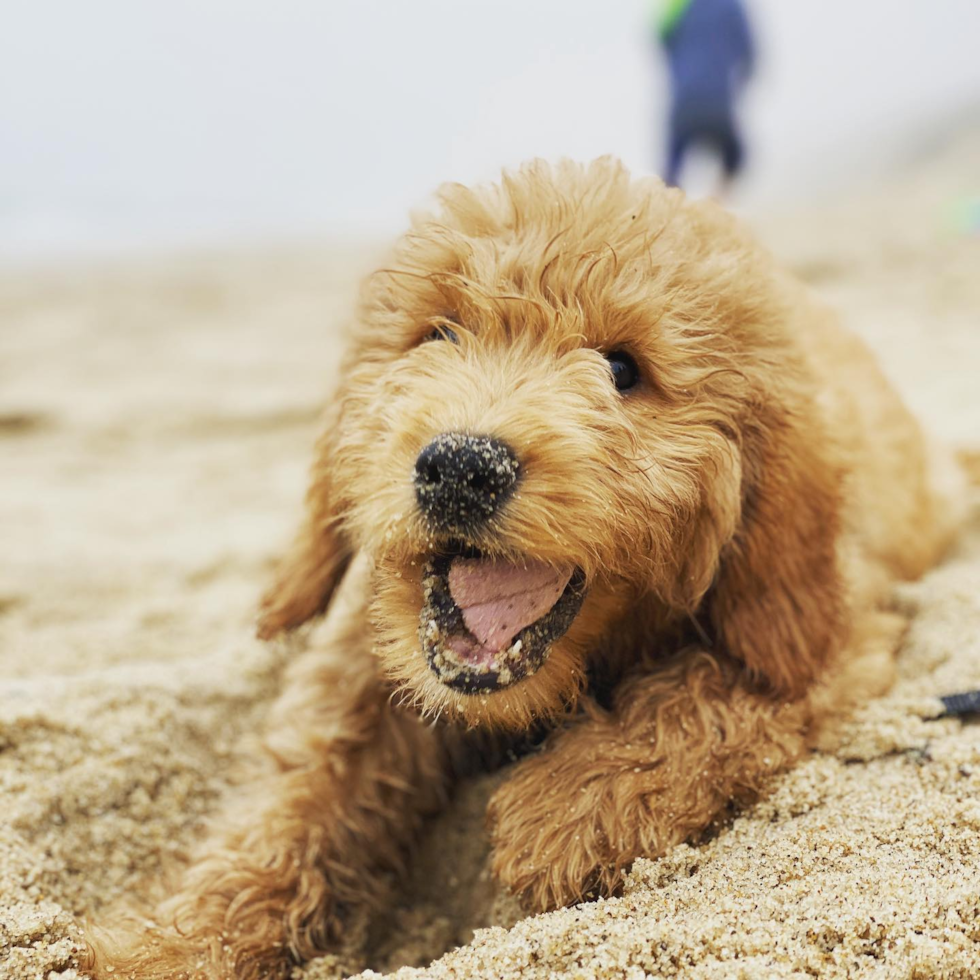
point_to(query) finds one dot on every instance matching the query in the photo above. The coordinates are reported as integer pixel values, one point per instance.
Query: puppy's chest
(646, 642)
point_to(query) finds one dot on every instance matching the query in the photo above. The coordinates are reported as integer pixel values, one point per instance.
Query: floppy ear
(778, 601)
(310, 571)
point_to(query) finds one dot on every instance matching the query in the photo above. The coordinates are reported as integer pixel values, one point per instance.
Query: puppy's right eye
(442, 333)
(625, 373)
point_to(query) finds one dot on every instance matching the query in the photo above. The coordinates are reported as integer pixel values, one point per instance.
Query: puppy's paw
(559, 830)
(134, 953)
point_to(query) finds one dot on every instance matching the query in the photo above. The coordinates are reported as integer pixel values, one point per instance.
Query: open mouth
(487, 623)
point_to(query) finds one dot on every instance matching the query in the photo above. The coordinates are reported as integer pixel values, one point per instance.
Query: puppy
(598, 475)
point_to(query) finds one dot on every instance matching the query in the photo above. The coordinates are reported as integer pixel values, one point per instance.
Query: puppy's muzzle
(461, 481)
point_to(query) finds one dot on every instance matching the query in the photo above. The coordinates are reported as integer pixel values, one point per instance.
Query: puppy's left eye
(443, 333)
(624, 370)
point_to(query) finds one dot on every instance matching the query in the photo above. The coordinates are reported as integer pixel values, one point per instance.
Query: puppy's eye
(624, 370)
(443, 333)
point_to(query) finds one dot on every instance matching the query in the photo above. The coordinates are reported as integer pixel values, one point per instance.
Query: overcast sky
(157, 123)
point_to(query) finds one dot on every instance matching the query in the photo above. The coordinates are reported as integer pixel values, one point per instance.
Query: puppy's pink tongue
(499, 598)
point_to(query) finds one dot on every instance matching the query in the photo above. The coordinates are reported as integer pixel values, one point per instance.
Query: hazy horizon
(127, 127)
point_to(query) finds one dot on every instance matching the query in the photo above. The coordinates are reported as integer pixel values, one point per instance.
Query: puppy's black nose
(461, 481)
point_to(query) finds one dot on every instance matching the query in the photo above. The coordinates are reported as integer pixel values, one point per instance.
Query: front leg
(678, 745)
(308, 845)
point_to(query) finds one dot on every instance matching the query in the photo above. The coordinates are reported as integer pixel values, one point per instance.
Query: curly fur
(739, 517)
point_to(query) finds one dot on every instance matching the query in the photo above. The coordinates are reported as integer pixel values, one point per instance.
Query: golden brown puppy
(596, 465)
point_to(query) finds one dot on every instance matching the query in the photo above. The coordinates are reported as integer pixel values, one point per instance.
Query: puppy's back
(905, 493)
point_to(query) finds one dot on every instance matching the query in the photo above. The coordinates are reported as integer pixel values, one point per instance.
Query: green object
(964, 215)
(668, 15)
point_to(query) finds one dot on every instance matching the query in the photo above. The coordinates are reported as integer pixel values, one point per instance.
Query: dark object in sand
(964, 703)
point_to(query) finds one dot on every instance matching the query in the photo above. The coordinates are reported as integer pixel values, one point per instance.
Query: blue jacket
(710, 53)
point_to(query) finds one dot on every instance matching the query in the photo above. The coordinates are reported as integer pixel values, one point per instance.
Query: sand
(155, 425)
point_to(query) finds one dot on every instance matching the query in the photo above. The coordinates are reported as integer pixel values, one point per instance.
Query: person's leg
(677, 142)
(732, 154)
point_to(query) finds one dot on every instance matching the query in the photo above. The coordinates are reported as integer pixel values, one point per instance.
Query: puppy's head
(540, 431)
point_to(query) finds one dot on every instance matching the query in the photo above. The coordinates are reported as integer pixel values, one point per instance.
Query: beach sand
(156, 419)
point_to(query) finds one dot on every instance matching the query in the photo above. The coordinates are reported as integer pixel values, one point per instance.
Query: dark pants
(721, 136)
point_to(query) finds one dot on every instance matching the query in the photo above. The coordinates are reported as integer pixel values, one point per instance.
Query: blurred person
(710, 55)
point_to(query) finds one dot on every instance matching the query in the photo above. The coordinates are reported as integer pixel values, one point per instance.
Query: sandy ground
(155, 425)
